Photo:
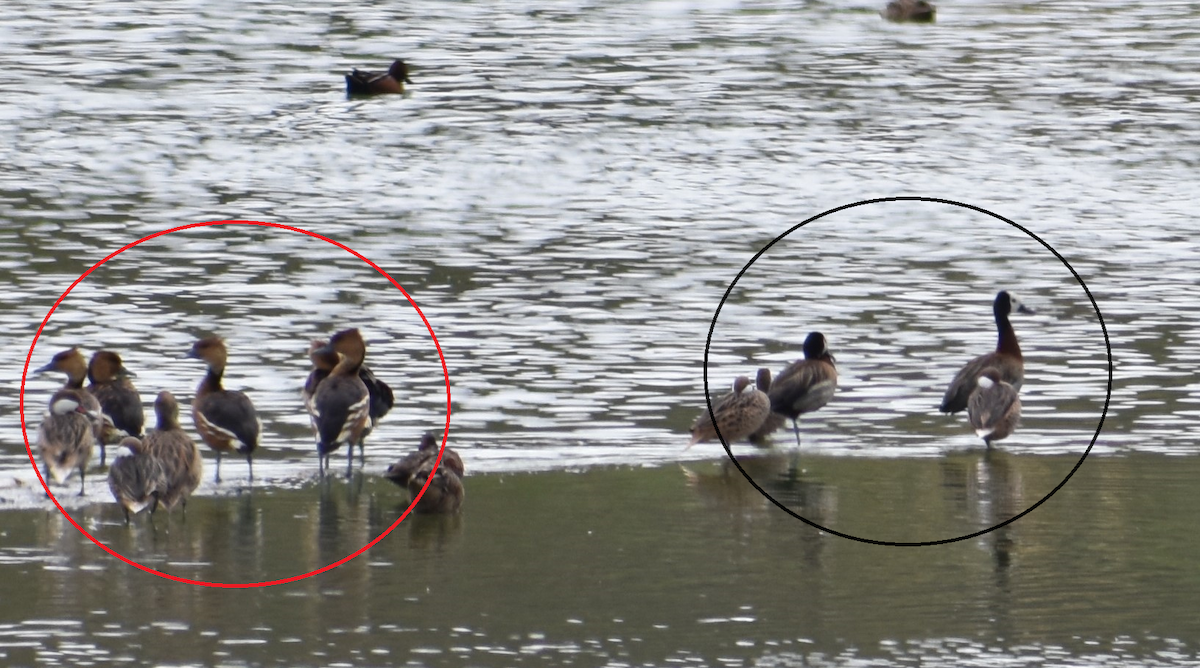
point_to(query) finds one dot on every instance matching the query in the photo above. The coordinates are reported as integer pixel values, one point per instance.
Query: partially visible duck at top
(739, 413)
(910, 11)
(340, 404)
(994, 407)
(774, 421)
(361, 82)
(805, 385)
(225, 419)
(175, 452)
(66, 437)
(119, 399)
(72, 363)
(1006, 358)
(445, 492)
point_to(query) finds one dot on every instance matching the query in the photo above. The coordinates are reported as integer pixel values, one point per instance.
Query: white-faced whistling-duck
(445, 492)
(994, 407)
(119, 399)
(739, 414)
(225, 419)
(72, 363)
(1006, 358)
(361, 82)
(175, 452)
(910, 11)
(136, 479)
(66, 437)
(340, 406)
(807, 384)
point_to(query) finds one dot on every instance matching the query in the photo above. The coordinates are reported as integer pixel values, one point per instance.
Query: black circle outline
(1078, 278)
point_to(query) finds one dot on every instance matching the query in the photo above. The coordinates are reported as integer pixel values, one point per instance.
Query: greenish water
(619, 566)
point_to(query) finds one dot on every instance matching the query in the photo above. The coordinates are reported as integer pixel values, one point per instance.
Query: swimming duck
(72, 363)
(994, 407)
(225, 419)
(807, 384)
(136, 479)
(175, 452)
(360, 82)
(445, 493)
(66, 436)
(739, 413)
(119, 399)
(1006, 358)
(914, 11)
(340, 405)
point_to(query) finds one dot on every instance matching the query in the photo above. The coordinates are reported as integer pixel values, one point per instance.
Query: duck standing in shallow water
(360, 82)
(910, 11)
(72, 363)
(136, 479)
(175, 451)
(66, 437)
(994, 407)
(225, 419)
(445, 493)
(739, 413)
(805, 385)
(119, 400)
(324, 360)
(1006, 359)
(340, 405)
(774, 421)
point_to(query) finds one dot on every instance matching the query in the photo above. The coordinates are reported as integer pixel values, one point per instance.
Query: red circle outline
(234, 585)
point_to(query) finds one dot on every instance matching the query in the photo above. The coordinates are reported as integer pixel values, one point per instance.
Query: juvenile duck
(914, 11)
(739, 413)
(136, 479)
(445, 492)
(175, 452)
(225, 419)
(807, 384)
(66, 437)
(994, 407)
(340, 405)
(119, 399)
(360, 82)
(1006, 359)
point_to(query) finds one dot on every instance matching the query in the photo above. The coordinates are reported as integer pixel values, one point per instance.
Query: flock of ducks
(162, 466)
(987, 387)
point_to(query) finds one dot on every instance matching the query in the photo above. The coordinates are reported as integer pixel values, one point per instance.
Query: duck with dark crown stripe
(361, 82)
(739, 413)
(805, 385)
(119, 400)
(1006, 359)
(225, 419)
(72, 363)
(175, 452)
(66, 437)
(994, 407)
(340, 405)
(445, 493)
(136, 479)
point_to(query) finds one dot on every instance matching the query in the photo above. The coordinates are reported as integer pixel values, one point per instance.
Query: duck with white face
(1006, 359)
(66, 437)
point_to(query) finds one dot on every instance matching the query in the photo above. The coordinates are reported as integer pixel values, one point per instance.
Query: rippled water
(567, 193)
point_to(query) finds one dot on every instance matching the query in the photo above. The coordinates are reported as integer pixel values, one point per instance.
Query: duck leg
(217, 479)
(250, 464)
(796, 427)
(81, 480)
(349, 459)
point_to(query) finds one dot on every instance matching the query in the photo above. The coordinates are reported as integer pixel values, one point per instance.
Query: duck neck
(1007, 344)
(212, 380)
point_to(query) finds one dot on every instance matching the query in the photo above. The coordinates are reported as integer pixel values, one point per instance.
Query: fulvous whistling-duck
(739, 413)
(994, 407)
(323, 361)
(340, 405)
(445, 492)
(1006, 359)
(175, 452)
(66, 436)
(136, 479)
(225, 419)
(119, 399)
(360, 82)
(914, 11)
(805, 385)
